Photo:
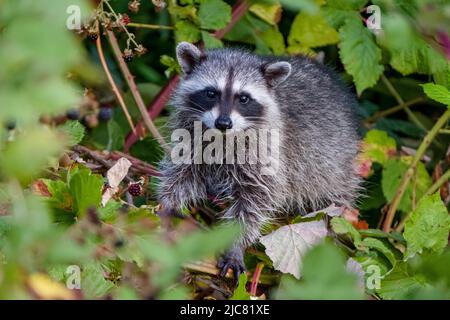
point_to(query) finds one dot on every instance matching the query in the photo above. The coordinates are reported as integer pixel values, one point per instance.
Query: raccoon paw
(234, 260)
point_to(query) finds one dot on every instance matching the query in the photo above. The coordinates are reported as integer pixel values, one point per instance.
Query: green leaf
(214, 14)
(409, 53)
(268, 12)
(309, 6)
(427, 227)
(240, 293)
(392, 175)
(74, 130)
(30, 153)
(342, 226)
(360, 55)
(347, 4)
(311, 31)
(399, 284)
(324, 277)
(384, 247)
(93, 283)
(186, 31)
(86, 190)
(273, 38)
(437, 92)
(210, 41)
(378, 146)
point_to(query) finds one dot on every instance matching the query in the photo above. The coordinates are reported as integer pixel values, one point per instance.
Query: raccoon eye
(211, 94)
(244, 99)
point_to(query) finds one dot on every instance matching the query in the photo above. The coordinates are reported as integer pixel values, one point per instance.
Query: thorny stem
(149, 26)
(410, 172)
(135, 91)
(435, 187)
(113, 84)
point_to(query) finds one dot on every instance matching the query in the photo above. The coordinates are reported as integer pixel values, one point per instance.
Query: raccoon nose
(223, 123)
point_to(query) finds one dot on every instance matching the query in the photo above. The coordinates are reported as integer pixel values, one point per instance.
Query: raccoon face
(228, 89)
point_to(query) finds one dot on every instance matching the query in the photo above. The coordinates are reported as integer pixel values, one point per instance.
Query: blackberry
(92, 36)
(73, 114)
(10, 125)
(135, 189)
(119, 243)
(105, 114)
(128, 55)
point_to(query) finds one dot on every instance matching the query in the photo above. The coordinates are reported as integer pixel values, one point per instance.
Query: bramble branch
(410, 172)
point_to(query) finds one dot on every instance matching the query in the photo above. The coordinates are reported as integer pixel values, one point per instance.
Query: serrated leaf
(342, 226)
(437, 92)
(86, 190)
(384, 247)
(427, 227)
(394, 170)
(270, 13)
(93, 283)
(325, 277)
(287, 245)
(187, 31)
(409, 53)
(74, 131)
(347, 4)
(311, 31)
(360, 55)
(273, 38)
(214, 14)
(210, 41)
(398, 284)
(378, 146)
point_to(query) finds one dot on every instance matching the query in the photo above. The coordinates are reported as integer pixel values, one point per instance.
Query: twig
(135, 92)
(149, 26)
(113, 84)
(410, 172)
(444, 131)
(392, 110)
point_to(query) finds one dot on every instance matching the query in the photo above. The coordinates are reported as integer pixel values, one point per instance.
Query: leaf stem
(410, 172)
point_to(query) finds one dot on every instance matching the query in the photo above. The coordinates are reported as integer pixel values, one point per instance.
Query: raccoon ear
(276, 72)
(188, 56)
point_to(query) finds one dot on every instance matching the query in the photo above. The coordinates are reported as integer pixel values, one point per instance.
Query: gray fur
(314, 112)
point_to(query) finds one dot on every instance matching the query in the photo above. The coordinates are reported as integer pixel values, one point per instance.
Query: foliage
(62, 129)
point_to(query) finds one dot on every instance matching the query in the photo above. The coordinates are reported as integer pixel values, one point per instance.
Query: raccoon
(233, 90)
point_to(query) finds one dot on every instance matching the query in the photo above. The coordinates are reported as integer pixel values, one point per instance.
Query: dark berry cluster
(135, 189)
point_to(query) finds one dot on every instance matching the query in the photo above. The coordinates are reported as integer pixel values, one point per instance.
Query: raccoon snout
(223, 123)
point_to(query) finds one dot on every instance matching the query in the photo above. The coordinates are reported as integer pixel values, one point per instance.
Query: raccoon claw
(233, 260)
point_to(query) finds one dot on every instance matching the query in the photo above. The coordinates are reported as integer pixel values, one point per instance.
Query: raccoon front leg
(180, 187)
(247, 214)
